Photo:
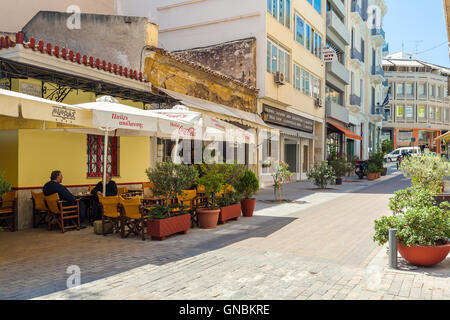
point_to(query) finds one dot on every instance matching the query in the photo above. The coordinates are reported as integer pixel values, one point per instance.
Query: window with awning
(349, 134)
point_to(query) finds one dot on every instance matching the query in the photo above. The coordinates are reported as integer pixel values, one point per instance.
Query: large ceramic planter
(371, 176)
(230, 212)
(338, 181)
(207, 218)
(384, 172)
(248, 206)
(160, 229)
(424, 255)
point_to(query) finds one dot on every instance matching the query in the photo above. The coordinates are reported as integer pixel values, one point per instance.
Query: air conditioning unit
(279, 78)
(318, 102)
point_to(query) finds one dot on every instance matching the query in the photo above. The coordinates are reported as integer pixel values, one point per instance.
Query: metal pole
(105, 162)
(393, 248)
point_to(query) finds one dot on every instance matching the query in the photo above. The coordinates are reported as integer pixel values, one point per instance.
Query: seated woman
(111, 190)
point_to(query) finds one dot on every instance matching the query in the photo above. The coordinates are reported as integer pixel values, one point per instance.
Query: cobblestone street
(317, 247)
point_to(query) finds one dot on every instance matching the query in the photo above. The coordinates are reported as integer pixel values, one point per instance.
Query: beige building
(290, 74)
(21, 11)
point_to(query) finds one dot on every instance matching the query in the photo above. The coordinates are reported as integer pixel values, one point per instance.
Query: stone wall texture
(236, 59)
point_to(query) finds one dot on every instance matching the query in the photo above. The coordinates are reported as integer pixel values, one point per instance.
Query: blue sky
(409, 21)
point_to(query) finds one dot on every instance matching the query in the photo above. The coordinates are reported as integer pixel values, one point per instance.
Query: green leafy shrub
(339, 166)
(387, 146)
(229, 198)
(321, 175)
(426, 171)
(373, 168)
(171, 179)
(159, 212)
(280, 175)
(213, 178)
(248, 185)
(4, 186)
(416, 216)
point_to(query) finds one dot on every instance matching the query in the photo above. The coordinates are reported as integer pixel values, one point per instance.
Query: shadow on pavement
(33, 263)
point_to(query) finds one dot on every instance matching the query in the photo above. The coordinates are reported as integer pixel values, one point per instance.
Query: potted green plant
(423, 227)
(213, 179)
(321, 174)
(164, 221)
(426, 170)
(280, 175)
(4, 185)
(339, 165)
(230, 206)
(169, 180)
(373, 171)
(248, 186)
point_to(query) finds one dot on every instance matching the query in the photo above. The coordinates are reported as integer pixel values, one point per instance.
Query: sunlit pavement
(317, 247)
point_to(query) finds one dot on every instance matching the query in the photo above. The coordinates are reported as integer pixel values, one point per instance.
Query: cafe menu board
(287, 119)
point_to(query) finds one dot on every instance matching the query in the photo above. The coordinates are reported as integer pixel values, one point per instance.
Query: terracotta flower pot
(230, 212)
(371, 176)
(208, 218)
(248, 206)
(160, 229)
(424, 255)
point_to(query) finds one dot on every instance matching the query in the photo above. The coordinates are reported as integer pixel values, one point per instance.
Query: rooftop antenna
(417, 42)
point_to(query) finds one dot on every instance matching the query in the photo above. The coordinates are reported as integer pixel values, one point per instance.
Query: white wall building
(289, 37)
(366, 73)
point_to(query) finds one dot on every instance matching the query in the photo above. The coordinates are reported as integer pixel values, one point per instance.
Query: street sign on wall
(328, 54)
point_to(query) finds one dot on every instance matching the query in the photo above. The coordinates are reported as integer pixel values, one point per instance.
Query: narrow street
(322, 251)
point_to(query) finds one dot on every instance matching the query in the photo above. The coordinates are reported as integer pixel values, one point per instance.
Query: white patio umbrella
(108, 115)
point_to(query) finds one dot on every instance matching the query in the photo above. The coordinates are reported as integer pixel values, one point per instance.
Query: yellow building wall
(9, 155)
(41, 152)
(285, 37)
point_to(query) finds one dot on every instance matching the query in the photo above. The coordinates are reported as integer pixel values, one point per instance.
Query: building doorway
(305, 159)
(290, 155)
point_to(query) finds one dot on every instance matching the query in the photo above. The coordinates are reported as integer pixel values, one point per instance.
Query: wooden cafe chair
(132, 216)
(110, 207)
(40, 210)
(60, 214)
(8, 210)
(189, 199)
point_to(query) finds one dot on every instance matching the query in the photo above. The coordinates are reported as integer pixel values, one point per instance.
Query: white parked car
(392, 156)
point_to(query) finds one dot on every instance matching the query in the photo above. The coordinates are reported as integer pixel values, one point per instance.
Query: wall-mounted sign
(287, 119)
(31, 89)
(328, 54)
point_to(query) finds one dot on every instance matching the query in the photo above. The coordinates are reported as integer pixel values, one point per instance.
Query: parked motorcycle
(361, 169)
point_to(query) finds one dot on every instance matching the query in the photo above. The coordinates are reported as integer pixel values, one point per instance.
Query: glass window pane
(269, 6)
(288, 13)
(274, 59)
(318, 5)
(282, 61)
(308, 37)
(269, 50)
(281, 11)
(286, 66)
(299, 30)
(275, 9)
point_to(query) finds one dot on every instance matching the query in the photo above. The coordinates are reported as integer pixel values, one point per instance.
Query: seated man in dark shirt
(111, 187)
(111, 190)
(55, 186)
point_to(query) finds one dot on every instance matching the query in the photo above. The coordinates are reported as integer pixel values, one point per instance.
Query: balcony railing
(355, 100)
(377, 70)
(356, 55)
(356, 8)
(379, 32)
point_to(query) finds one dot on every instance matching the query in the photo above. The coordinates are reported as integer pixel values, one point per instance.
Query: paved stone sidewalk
(321, 249)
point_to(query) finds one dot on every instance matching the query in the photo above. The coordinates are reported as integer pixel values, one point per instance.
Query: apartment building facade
(290, 73)
(419, 108)
(367, 83)
(337, 77)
